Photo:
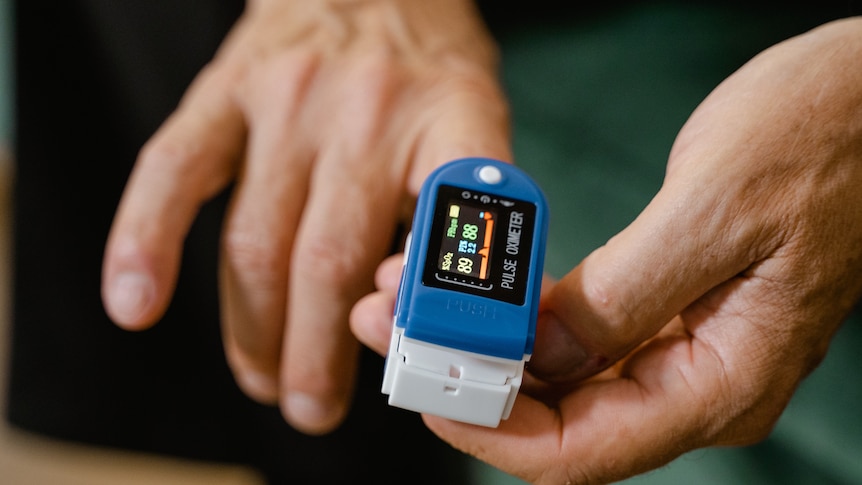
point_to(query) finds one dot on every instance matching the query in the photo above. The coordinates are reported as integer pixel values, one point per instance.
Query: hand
(326, 116)
(694, 326)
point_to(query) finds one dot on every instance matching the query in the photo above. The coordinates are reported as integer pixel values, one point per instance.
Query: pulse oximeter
(465, 316)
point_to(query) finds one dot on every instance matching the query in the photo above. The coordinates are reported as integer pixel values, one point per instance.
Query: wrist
(410, 26)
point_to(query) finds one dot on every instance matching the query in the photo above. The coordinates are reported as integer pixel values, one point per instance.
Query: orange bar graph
(486, 247)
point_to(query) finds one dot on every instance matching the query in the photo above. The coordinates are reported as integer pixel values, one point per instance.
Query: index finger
(189, 159)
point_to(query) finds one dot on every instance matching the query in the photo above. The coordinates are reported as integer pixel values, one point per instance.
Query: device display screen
(480, 244)
(466, 245)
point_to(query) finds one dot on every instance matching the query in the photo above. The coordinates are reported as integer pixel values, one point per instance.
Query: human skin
(694, 326)
(325, 116)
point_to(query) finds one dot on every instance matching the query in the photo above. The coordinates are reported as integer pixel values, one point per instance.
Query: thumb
(627, 290)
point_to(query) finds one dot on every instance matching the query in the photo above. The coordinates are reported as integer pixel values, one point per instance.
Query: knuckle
(165, 151)
(378, 68)
(609, 305)
(327, 261)
(175, 156)
(257, 256)
(292, 65)
(280, 80)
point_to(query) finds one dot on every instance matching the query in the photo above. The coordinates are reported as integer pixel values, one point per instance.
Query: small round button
(490, 175)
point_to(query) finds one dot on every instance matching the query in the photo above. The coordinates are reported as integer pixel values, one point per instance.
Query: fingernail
(557, 354)
(129, 296)
(310, 414)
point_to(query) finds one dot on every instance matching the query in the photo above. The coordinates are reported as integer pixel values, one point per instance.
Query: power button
(490, 175)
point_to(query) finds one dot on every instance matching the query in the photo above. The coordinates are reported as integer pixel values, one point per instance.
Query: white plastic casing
(451, 383)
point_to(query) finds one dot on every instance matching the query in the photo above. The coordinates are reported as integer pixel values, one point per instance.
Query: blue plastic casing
(499, 321)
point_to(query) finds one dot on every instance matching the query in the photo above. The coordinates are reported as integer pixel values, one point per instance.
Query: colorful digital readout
(466, 245)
